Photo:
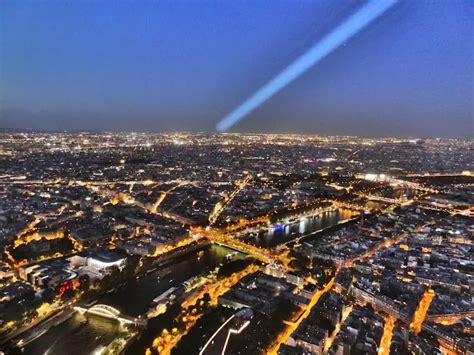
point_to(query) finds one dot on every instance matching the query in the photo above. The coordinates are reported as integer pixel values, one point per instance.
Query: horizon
(28, 130)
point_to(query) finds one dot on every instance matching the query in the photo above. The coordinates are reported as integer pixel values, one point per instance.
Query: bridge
(264, 255)
(242, 247)
(413, 185)
(382, 199)
(103, 310)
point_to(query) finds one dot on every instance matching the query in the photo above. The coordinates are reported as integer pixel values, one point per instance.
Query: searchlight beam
(350, 27)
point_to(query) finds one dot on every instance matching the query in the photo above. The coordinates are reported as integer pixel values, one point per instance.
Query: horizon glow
(347, 29)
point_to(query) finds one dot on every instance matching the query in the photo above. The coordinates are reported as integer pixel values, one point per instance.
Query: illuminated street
(158, 256)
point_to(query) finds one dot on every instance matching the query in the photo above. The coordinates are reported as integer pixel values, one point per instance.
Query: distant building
(133, 247)
(96, 264)
(311, 338)
(88, 235)
(46, 276)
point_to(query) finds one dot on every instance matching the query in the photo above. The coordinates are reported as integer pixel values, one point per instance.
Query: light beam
(351, 26)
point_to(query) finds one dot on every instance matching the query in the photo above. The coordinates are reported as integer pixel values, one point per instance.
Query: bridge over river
(103, 310)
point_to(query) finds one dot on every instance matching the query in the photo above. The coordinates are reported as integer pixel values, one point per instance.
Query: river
(80, 336)
(285, 232)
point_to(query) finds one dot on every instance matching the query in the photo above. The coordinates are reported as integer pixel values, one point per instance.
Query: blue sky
(183, 65)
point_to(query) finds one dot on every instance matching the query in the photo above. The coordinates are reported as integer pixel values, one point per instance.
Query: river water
(80, 336)
(77, 335)
(285, 232)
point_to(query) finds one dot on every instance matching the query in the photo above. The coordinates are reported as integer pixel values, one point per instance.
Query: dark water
(75, 336)
(135, 297)
(282, 233)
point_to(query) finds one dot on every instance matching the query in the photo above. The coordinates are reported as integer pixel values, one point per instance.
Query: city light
(318, 243)
(422, 310)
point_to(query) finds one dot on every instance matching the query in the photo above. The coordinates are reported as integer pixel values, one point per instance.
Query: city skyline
(232, 133)
(182, 243)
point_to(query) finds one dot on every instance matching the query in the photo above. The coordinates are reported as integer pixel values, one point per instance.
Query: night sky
(183, 65)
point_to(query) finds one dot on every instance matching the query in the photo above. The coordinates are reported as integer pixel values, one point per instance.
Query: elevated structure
(103, 310)
(383, 199)
(217, 344)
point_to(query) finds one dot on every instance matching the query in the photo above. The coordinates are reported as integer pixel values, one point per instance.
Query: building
(46, 276)
(97, 263)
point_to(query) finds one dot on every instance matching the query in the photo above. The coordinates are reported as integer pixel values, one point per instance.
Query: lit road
(330, 339)
(422, 310)
(386, 340)
(291, 327)
(220, 206)
(163, 195)
(385, 244)
(193, 308)
(449, 318)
